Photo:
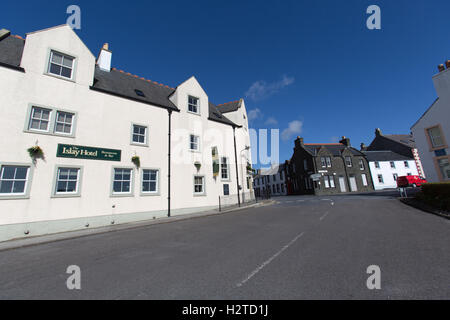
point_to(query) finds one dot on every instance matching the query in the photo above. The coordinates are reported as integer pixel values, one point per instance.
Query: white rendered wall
(388, 173)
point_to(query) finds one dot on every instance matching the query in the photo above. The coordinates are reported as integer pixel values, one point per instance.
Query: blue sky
(312, 66)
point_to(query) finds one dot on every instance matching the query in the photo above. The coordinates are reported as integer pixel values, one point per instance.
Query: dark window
(226, 189)
(139, 93)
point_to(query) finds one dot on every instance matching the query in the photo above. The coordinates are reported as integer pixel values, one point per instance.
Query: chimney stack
(4, 33)
(378, 132)
(345, 141)
(363, 146)
(447, 64)
(441, 67)
(104, 58)
(299, 142)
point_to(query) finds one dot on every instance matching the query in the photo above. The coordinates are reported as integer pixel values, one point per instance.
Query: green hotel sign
(89, 153)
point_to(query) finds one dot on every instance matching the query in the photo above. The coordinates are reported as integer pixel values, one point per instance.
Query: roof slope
(11, 49)
(335, 149)
(216, 115)
(124, 85)
(229, 106)
(385, 156)
(406, 139)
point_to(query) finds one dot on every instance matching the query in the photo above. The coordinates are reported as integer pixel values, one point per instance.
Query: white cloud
(261, 90)
(271, 121)
(254, 114)
(294, 128)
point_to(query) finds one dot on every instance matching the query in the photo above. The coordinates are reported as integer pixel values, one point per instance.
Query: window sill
(149, 194)
(57, 196)
(59, 77)
(124, 195)
(194, 113)
(14, 197)
(199, 194)
(48, 133)
(145, 145)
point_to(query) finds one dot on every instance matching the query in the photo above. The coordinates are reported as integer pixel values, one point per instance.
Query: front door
(353, 186)
(342, 184)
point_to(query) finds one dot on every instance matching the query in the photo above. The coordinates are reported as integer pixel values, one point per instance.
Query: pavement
(298, 248)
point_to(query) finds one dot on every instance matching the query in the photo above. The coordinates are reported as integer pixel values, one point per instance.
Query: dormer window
(194, 105)
(139, 93)
(61, 65)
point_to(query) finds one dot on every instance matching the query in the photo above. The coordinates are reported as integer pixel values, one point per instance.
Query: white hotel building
(90, 120)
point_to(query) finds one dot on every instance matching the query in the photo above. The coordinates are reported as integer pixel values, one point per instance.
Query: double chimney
(441, 67)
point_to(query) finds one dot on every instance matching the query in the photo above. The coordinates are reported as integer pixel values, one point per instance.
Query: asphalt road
(300, 248)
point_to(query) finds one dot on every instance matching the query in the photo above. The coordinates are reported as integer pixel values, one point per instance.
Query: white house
(387, 166)
(271, 181)
(432, 130)
(91, 121)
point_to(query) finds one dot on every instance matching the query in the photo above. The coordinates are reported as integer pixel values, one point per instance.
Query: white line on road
(251, 275)
(323, 217)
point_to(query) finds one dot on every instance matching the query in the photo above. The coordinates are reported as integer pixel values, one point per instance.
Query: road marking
(323, 217)
(266, 263)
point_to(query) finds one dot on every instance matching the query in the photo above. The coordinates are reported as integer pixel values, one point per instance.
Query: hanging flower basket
(136, 160)
(36, 152)
(198, 165)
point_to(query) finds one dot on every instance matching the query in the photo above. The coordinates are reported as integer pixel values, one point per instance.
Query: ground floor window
(444, 166)
(380, 178)
(13, 180)
(364, 179)
(226, 189)
(150, 181)
(122, 181)
(329, 182)
(199, 185)
(67, 181)
(282, 188)
(395, 176)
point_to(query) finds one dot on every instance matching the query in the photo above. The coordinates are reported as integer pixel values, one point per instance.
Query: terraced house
(86, 145)
(328, 168)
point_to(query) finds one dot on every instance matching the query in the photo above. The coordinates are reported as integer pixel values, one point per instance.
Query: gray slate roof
(124, 85)
(336, 149)
(216, 115)
(406, 139)
(385, 156)
(11, 49)
(229, 107)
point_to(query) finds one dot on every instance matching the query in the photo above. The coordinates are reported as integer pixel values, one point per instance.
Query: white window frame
(228, 186)
(28, 181)
(51, 129)
(58, 112)
(203, 192)
(329, 163)
(364, 180)
(349, 165)
(197, 143)
(406, 163)
(122, 194)
(150, 193)
(31, 118)
(361, 165)
(323, 162)
(146, 134)
(190, 104)
(77, 193)
(392, 164)
(227, 160)
(64, 55)
(377, 165)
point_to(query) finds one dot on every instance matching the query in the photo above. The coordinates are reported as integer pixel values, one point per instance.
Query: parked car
(410, 181)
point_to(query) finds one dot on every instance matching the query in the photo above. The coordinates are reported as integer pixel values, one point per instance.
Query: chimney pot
(441, 67)
(378, 132)
(447, 64)
(106, 46)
